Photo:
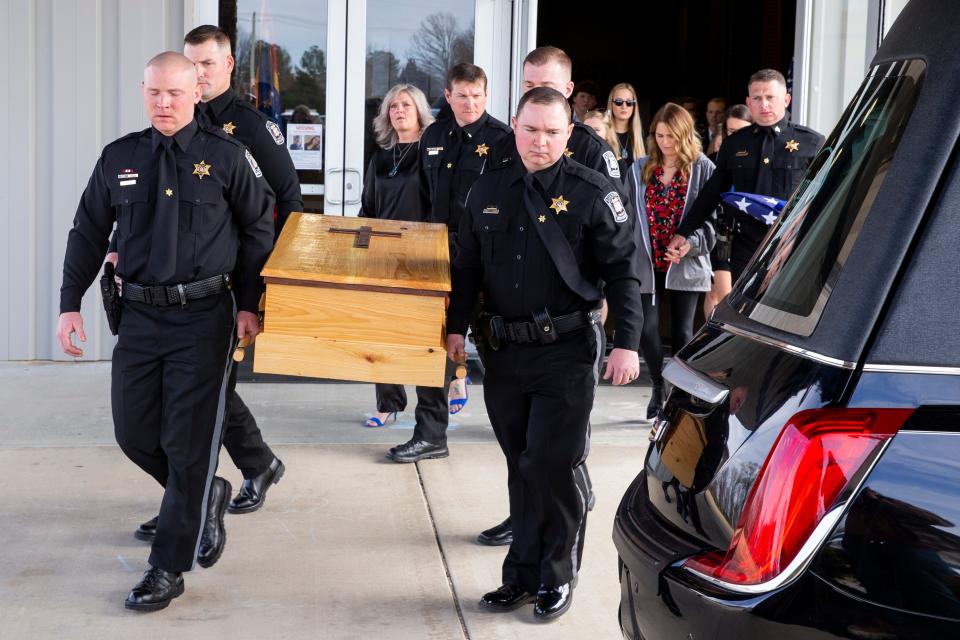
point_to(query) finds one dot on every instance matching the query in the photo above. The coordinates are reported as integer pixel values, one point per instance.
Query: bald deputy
(191, 208)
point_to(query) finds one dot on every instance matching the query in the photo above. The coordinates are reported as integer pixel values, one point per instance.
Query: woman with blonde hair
(392, 189)
(622, 107)
(664, 186)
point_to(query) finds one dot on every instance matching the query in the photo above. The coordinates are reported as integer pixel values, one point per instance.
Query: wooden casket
(356, 299)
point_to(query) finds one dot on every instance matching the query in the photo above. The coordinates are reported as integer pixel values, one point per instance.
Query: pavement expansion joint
(443, 556)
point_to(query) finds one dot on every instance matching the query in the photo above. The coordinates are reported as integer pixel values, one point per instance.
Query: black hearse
(804, 475)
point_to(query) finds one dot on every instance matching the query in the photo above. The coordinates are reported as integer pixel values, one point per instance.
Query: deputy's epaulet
(248, 106)
(130, 136)
(220, 134)
(595, 178)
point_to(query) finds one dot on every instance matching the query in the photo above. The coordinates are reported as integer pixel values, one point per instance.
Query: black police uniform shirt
(500, 252)
(584, 146)
(451, 159)
(392, 188)
(225, 214)
(240, 119)
(737, 167)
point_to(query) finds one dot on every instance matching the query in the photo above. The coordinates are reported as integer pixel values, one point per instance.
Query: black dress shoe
(253, 492)
(155, 590)
(552, 602)
(498, 536)
(147, 531)
(417, 450)
(214, 537)
(507, 598)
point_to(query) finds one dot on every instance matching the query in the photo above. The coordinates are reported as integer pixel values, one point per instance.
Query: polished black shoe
(656, 401)
(147, 531)
(417, 450)
(214, 537)
(498, 536)
(253, 492)
(155, 590)
(552, 602)
(507, 598)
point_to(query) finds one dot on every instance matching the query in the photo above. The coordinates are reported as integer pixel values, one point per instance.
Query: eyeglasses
(620, 102)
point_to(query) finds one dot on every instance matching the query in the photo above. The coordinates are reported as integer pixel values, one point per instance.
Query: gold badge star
(766, 161)
(228, 128)
(542, 218)
(169, 192)
(792, 145)
(568, 153)
(482, 149)
(202, 169)
(559, 204)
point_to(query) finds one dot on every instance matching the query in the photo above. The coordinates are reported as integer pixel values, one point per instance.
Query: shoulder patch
(253, 164)
(613, 167)
(613, 201)
(274, 131)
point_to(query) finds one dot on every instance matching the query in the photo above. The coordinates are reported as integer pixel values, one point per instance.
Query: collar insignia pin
(169, 192)
(542, 218)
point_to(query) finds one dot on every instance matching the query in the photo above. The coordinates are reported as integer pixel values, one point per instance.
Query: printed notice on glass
(305, 144)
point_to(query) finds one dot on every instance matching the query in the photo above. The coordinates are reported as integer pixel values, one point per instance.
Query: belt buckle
(497, 333)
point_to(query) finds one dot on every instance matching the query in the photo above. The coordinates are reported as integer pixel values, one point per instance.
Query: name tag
(127, 183)
(432, 151)
(125, 176)
(742, 154)
(491, 210)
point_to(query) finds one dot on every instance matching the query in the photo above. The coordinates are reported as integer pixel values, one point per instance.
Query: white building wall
(71, 71)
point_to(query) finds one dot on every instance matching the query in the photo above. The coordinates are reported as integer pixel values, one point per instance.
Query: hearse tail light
(812, 461)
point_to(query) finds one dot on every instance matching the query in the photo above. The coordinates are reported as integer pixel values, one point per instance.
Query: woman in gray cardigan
(664, 186)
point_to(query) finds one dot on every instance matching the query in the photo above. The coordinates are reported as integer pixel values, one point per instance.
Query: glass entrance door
(320, 68)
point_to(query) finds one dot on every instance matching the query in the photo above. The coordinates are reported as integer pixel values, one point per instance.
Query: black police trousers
(539, 399)
(242, 438)
(432, 413)
(170, 372)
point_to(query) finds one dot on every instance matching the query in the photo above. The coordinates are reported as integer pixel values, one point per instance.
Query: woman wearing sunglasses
(622, 105)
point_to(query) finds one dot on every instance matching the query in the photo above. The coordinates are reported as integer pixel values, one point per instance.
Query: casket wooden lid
(318, 249)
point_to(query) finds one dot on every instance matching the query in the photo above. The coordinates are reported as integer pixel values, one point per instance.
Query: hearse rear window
(789, 283)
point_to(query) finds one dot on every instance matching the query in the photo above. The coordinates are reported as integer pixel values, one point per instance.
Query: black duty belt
(181, 294)
(543, 329)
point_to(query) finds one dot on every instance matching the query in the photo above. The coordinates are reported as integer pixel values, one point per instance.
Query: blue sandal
(374, 421)
(456, 405)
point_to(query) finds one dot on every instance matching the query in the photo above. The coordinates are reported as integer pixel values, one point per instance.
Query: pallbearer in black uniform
(191, 208)
(537, 237)
(209, 48)
(552, 68)
(392, 190)
(768, 158)
(453, 153)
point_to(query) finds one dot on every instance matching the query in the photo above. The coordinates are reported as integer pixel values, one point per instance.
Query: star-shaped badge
(169, 192)
(449, 165)
(567, 152)
(559, 204)
(542, 218)
(202, 169)
(228, 128)
(766, 161)
(482, 149)
(792, 145)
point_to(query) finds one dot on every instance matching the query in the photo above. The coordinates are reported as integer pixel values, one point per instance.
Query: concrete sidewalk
(349, 545)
